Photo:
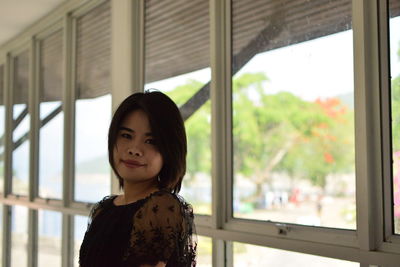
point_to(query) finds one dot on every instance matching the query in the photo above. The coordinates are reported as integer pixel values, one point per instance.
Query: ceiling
(17, 15)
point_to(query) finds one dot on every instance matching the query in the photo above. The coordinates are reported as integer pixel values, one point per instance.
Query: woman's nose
(134, 150)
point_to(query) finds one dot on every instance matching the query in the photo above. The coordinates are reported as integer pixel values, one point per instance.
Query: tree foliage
(198, 130)
(273, 132)
(282, 132)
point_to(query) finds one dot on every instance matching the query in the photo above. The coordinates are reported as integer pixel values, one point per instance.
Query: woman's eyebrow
(126, 129)
(132, 131)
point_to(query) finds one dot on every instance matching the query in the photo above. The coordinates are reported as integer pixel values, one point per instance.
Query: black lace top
(157, 228)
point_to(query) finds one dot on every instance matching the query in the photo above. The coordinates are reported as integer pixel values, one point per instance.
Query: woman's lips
(132, 163)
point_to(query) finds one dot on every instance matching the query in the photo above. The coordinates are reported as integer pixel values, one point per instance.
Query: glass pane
(2, 123)
(51, 117)
(204, 251)
(50, 230)
(394, 25)
(19, 236)
(177, 63)
(80, 226)
(92, 171)
(93, 105)
(246, 255)
(21, 120)
(293, 114)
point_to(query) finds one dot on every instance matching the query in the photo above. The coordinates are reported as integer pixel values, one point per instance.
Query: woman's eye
(150, 141)
(125, 135)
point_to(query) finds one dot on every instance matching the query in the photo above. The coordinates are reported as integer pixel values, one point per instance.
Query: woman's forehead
(136, 120)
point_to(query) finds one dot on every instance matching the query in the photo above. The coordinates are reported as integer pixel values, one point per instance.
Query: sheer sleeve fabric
(162, 230)
(86, 250)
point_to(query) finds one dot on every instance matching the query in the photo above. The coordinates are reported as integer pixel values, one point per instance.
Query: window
(49, 252)
(80, 225)
(187, 83)
(246, 255)
(93, 104)
(21, 120)
(204, 252)
(51, 116)
(293, 118)
(19, 236)
(267, 85)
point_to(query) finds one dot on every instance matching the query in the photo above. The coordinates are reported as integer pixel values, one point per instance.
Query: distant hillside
(347, 99)
(96, 165)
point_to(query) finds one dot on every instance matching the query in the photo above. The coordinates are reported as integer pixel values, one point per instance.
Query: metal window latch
(283, 229)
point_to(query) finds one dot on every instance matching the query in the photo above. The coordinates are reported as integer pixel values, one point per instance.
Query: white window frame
(373, 243)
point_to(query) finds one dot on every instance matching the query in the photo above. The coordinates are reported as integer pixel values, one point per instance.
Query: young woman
(149, 224)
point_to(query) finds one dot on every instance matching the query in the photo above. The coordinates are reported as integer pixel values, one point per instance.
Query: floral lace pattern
(157, 228)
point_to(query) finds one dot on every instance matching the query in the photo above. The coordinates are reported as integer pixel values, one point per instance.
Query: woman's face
(136, 158)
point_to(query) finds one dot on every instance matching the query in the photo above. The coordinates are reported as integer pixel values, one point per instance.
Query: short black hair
(167, 128)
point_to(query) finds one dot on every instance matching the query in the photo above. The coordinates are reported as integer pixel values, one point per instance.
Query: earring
(158, 178)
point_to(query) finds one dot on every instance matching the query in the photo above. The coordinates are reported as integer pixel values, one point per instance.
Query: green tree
(281, 132)
(198, 130)
(328, 148)
(272, 132)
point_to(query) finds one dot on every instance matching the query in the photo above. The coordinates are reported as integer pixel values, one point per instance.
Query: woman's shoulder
(104, 203)
(166, 198)
(164, 203)
(107, 200)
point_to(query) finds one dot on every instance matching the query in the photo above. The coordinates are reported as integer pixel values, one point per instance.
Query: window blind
(21, 78)
(93, 53)
(51, 63)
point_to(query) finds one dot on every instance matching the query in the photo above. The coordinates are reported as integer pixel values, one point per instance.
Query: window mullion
(8, 74)
(33, 153)
(127, 56)
(68, 149)
(367, 124)
(386, 117)
(220, 121)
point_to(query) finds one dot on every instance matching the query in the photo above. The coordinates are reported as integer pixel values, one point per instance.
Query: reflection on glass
(394, 25)
(92, 171)
(177, 63)
(246, 255)
(80, 226)
(204, 251)
(93, 104)
(293, 125)
(19, 236)
(21, 120)
(49, 246)
(196, 186)
(2, 122)
(51, 117)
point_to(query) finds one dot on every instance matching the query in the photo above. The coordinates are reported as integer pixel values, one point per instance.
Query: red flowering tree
(274, 132)
(282, 132)
(329, 148)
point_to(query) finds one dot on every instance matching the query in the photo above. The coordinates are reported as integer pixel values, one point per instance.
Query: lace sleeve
(89, 235)
(162, 230)
(97, 208)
